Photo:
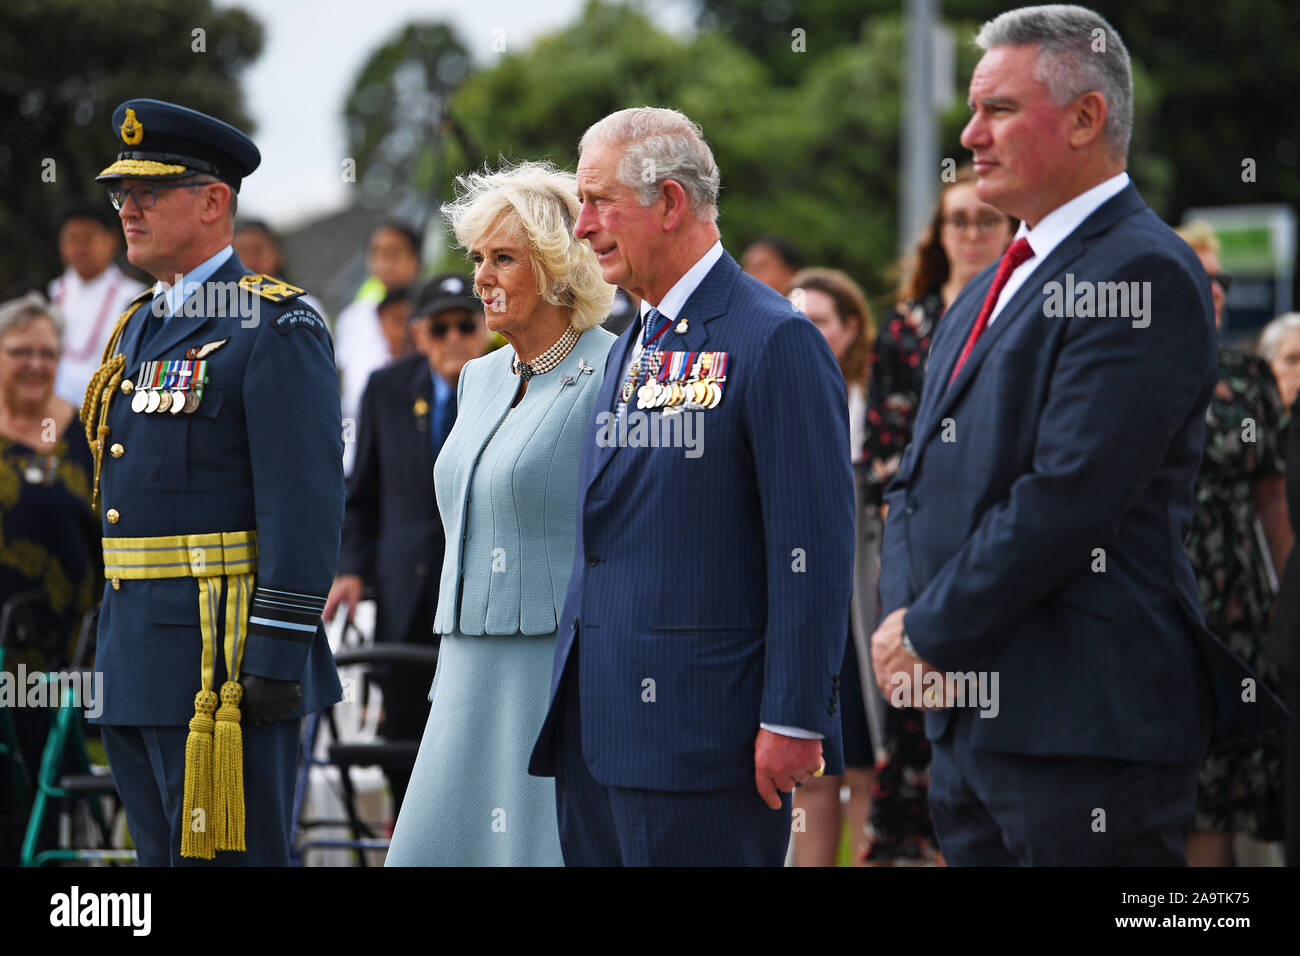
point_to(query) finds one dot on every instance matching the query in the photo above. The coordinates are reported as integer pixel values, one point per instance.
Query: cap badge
(132, 129)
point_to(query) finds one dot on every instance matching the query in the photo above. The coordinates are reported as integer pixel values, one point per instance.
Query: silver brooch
(583, 367)
(565, 380)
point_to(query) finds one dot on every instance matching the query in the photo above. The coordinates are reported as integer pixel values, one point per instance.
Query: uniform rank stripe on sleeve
(295, 605)
(290, 618)
(293, 595)
(277, 630)
(271, 622)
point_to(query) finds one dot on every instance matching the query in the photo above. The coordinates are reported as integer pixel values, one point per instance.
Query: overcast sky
(313, 52)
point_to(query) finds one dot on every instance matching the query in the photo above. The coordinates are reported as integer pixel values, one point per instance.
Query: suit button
(117, 450)
(127, 385)
(911, 507)
(421, 570)
(112, 516)
(592, 560)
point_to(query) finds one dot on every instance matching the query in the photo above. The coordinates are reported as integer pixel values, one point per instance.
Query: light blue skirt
(471, 801)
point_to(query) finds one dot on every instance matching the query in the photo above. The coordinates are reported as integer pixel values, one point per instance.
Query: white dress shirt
(1052, 230)
(90, 308)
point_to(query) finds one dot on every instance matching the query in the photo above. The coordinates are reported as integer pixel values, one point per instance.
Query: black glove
(267, 700)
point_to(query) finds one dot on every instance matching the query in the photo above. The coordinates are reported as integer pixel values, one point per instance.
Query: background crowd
(405, 332)
(401, 345)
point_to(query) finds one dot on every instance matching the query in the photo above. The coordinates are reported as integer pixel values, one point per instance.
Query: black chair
(344, 754)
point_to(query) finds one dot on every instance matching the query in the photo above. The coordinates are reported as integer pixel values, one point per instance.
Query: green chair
(86, 785)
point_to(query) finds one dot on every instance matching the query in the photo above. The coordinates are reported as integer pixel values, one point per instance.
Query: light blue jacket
(510, 542)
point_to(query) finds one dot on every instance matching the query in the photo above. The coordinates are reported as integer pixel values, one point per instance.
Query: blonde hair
(1199, 234)
(539, 202)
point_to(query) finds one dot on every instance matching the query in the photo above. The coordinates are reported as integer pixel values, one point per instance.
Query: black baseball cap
(448, 290)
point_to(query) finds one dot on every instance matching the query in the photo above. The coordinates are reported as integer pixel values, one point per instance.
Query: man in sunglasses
(214, 423)
(392, 535)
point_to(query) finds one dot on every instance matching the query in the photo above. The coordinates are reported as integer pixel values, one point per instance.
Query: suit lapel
(181, 326)
(706, 303)
(1027, 298)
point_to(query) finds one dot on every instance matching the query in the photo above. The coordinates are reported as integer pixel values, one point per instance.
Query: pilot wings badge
(203, 351)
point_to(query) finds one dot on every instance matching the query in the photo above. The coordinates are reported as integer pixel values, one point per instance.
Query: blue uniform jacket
(262, 452)
(722, 577)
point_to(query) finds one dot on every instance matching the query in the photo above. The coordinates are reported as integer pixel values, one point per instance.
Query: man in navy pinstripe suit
(696, 671)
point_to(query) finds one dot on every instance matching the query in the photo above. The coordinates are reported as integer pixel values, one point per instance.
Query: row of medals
(706, 393)
(700, 390)
(164, 398)
(161, 400)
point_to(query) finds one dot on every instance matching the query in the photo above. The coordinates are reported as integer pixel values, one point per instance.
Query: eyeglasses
(146, 197)
(985, 224)
(464, 327)
(26, 353)
(1224, 280)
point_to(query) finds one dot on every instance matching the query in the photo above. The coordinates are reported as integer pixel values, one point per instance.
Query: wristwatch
(907, 643)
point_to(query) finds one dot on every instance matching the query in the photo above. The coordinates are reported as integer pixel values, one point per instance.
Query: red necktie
(1016, 253)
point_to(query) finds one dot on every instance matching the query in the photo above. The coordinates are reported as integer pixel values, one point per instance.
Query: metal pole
(920, 134)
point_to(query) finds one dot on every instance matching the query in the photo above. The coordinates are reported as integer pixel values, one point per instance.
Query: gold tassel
(229, 770)
(99, 396)
(196, 835)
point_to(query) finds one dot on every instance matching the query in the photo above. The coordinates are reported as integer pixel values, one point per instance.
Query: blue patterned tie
(653, 322)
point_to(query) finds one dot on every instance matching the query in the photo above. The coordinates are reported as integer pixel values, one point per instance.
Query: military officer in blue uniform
(214, 421)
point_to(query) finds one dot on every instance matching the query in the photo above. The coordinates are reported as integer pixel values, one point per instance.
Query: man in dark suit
(696, 669)
(392, 535)
(1034, 538)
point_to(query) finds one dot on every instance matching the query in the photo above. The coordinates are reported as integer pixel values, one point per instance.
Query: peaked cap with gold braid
(165, 141)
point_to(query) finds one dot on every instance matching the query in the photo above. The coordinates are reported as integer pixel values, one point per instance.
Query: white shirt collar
(675, 300)
(191, 281)
(1052, 229)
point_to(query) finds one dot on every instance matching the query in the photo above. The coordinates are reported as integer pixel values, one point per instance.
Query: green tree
(766, 28)
(64, 67)
(395, 113)
(1215, 82)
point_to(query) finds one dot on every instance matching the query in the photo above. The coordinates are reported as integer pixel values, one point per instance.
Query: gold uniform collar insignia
(269, 287)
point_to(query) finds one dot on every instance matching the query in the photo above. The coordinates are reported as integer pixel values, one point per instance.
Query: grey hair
(661, 144)
(1270, 340)
(18, 313)
(1078, 52)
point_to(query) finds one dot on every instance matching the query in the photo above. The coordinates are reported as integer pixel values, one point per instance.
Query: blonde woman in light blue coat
(506, 483)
